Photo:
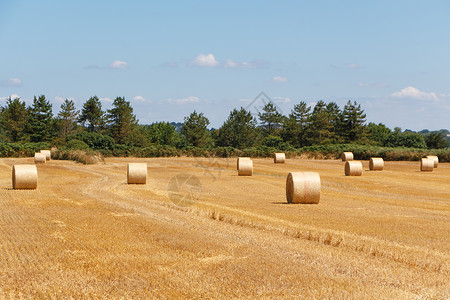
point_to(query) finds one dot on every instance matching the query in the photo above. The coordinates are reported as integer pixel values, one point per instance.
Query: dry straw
(347, 156)
(47, 153)
(24, 177)
(279, 158)
(39, 158)
(426, 165)
(376, 164)
(137, 173)
(303, 187)
(435, 159)
(353, 168)
(245, 167)
(239, 159)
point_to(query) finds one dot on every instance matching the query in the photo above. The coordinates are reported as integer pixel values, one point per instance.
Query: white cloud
(11, 82)
(281, 99)
(106, 99)
(118, 64)
(190, 99)
(139, 98)
(205, 60)
(12, 96)
(279, 79)
(59, 99)
(230, 64)
(353, 66)
(411, 92)
(246, 65)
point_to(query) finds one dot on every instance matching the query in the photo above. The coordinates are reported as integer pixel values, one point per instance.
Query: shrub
(94, 140)
(76, 144)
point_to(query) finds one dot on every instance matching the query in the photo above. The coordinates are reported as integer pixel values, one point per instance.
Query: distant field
(86, 233)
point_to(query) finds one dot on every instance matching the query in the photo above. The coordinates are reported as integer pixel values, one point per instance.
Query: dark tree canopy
(40, 120)
(13, 120)
(195, 130)
(92, 116)
(271, 118)
(121, 121)
(238, 131)
(67, 118)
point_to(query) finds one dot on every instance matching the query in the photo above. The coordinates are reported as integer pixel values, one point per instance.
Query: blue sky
(171, 57)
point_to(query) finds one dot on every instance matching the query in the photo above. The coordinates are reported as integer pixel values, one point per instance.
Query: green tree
(320, 129)
(335, 119)
(378, 133)
(405, 139)
(92, 116)
(14, 117)
(436, 140)
(238, 131)
(40, 120)
(67, 118)
(162, 133)
(353, 119)
(294, 126)
(121, 121)
(271, 118)
(195, 130)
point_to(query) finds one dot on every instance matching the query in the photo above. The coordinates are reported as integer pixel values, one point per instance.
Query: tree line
(92, 127)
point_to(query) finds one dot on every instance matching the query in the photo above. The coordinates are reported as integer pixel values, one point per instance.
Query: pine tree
(92, 116)
(67, 118)
(195, 130)
(353, 119)
(14, 117)
(335, 119)
(40, 120)
(121, 121)
(271, 118)
(295, 125)
(320, 129)
(238, 131)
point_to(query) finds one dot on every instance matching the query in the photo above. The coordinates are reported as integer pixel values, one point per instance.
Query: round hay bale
(347, 156)
(39, 158)
(426, 165)
(435, 159)
(24, 177)
(303, 187)
(137, 173)
(376, 164)
(353, 168)
(245, 167)
(279, 158)
(239, 159)
(47, 153)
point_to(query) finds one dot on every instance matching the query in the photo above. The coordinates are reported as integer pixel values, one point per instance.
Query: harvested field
(85, 233)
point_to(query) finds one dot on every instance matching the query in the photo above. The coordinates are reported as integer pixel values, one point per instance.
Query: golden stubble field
(85, 233)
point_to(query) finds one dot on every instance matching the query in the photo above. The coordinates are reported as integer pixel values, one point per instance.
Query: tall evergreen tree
(195, 130)
(320, 129)
(271, 118)
(335, 119)
(238, 131)
(40, 120)
(295, 125)
(353, 118)
(121, 121)
(67, 118)
(92, 115)
(14, 117)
